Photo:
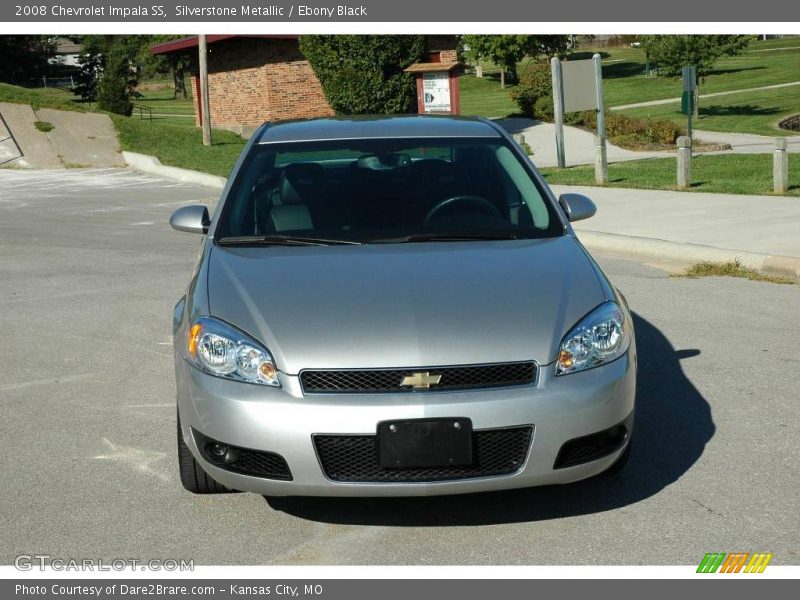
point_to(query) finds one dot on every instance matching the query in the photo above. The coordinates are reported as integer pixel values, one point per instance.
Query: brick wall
(445, 45)
(252, 80)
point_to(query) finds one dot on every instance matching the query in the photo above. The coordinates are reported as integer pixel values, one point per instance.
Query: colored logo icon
(734, 562)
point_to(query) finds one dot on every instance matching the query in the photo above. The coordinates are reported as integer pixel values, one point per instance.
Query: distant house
(67, 53)
(257, 78)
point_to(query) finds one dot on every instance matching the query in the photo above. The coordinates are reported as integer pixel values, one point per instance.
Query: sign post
(558, 109)
(578, 86)
(688, 96)
(601, 160)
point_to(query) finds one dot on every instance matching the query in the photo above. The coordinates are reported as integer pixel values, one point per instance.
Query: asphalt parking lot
(89, 272)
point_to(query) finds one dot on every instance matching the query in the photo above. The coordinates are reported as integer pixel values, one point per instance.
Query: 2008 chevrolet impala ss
(391, 307)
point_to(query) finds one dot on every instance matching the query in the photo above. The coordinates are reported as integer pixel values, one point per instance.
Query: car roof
(377, 127)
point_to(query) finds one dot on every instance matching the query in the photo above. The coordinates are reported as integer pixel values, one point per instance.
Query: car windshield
(384, 191)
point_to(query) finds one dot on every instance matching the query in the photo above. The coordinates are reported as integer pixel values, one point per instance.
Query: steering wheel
(482, 204)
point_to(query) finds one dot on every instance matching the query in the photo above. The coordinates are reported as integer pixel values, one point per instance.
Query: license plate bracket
(420, 443)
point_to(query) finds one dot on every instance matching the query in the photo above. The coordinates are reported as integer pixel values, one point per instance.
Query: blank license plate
(425, 443)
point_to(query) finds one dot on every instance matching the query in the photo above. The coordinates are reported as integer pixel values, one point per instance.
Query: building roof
(66, 46)
(377, 127)
(187, 45)
(429, 67)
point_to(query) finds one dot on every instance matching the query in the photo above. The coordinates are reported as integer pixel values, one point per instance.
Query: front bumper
(283, 421)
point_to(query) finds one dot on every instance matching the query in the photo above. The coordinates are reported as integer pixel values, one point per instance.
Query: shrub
(628, 131)
(663, 131)
(543, 108)
(364, 74)
(535, 82)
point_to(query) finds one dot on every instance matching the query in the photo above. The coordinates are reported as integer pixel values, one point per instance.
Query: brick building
(252, 79)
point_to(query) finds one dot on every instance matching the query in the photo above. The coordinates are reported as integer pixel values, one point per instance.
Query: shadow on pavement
(673, 424)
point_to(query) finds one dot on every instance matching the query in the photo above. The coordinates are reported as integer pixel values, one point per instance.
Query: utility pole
(204, 99)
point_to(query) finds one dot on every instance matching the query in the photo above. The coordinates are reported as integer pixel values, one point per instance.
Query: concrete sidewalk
(578, 144)
(763, 231)
(746, 143)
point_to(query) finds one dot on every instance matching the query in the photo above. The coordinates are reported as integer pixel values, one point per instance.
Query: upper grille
(389, 380)
(355, 457)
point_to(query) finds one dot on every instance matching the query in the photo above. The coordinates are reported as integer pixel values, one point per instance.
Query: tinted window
(377, 190)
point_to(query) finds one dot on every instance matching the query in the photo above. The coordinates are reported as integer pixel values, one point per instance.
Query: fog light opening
(217, 451)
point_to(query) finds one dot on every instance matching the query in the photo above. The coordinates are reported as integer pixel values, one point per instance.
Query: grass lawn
(41, 97)
(625, 82)
(484, 96)
(750, 112)
(180, 146)
(726, 174)
(166, 109)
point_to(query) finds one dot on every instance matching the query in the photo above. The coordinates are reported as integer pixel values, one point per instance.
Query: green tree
(128, 52)
(114, 88)
(24, 57)
(176, 65)
(672, 52)
(364, 74)
(507, 51)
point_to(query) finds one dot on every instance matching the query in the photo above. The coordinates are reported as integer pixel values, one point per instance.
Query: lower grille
(391, 380)
(259, 464)
(256, 463)
(354, 458)
(593, 447)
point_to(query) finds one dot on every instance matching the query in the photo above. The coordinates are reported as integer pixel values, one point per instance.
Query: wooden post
(780, 166)
(558, 109)
(204, 96)
(684, 162)
(520, 139)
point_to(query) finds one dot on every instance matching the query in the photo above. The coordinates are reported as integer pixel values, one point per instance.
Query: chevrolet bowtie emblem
(422, 380)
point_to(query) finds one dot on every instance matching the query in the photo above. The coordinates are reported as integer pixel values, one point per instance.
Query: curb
(784, 266)
(150, 164)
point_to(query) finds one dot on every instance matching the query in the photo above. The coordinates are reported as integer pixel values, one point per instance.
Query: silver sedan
(396, 306)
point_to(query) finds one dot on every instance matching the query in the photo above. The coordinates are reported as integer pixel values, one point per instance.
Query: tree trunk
(502, 78)
(180, 82)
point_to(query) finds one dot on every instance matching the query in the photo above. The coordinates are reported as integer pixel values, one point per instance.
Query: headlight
(222, 350)
(600, 337)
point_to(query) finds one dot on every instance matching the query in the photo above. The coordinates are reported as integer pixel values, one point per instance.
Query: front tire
(193, 477)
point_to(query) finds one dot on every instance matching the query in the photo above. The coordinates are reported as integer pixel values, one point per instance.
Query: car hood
(405, 305)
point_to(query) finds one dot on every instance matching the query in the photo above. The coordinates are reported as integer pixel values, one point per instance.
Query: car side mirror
(192, 219)
(577, 206)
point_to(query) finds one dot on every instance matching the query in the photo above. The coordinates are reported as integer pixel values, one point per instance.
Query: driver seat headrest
(301, 182)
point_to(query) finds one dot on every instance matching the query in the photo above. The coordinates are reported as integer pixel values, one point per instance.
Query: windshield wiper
(445, 237)
(280, 240)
